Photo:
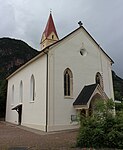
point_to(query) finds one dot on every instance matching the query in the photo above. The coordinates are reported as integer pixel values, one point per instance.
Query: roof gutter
(47, 73)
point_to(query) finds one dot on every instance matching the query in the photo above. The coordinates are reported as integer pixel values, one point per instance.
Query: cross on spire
(80, 23)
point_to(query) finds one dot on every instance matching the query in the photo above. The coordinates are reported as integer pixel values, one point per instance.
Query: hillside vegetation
(13, 54)
(118, 86)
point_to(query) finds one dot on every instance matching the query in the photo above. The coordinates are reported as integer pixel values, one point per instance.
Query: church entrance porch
(95, 98)
(18, 108)
(86, 100)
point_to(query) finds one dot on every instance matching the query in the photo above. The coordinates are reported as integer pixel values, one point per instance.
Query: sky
(103, 19)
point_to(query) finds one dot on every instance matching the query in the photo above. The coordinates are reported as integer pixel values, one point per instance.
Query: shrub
(103, 129)
(89, 132)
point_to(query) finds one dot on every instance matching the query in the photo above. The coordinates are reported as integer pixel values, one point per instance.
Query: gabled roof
(85, 95)
(56, 43)
(81, 27)
(50, 27)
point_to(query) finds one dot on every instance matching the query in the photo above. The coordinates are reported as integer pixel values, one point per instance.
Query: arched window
(99, 79)
(21, 92)
(12, 94)
(68, 82)
(52, 36)
(32, 88)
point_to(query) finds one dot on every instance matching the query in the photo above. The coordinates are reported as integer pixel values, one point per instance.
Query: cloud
(7, 25)
(26, 20)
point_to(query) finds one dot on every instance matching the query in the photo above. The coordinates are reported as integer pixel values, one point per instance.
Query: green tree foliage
(118, 86)
(119, 107)
(103, 129)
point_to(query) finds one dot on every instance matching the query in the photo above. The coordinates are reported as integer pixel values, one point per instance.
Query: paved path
(15, 136)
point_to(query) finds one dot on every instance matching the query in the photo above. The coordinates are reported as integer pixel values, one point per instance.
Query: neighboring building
(64, 79)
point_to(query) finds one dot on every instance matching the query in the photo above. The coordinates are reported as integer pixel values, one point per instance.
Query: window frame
(13, 95)
(32, 88)
(21, 92)
(99, 80)
(68, 83)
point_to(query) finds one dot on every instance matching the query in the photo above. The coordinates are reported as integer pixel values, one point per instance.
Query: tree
(3, 91)
(103, 129)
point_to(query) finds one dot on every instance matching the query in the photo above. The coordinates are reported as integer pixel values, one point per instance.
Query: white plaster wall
(11, 116)
(33, 113)
(107, 76)
(84, 69)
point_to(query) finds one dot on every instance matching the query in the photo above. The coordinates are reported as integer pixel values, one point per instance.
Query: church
(63, 81)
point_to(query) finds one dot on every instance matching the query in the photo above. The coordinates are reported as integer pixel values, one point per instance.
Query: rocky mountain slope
(13, 54)
(118, 86)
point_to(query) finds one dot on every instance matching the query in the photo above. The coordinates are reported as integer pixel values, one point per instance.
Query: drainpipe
(46, 92)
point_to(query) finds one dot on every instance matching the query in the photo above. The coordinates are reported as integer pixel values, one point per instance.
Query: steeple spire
(49, 35)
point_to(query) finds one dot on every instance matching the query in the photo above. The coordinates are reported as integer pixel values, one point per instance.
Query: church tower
(49, 35)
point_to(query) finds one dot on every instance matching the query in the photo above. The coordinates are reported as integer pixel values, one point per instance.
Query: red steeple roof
(50, 27)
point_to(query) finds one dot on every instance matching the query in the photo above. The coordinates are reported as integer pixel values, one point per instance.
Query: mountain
(118, 86)
(13, 53)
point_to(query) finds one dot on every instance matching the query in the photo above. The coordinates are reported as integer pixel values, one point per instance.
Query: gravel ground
(13, 136)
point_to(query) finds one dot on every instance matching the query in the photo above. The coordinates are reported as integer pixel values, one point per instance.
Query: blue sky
(26, 20)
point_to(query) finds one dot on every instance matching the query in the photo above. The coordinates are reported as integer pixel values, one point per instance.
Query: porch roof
(17, 106)
(85, 95)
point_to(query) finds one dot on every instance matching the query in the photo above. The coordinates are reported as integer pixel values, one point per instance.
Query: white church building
(63, 80)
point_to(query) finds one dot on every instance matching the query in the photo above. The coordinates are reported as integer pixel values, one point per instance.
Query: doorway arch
(94, 99)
